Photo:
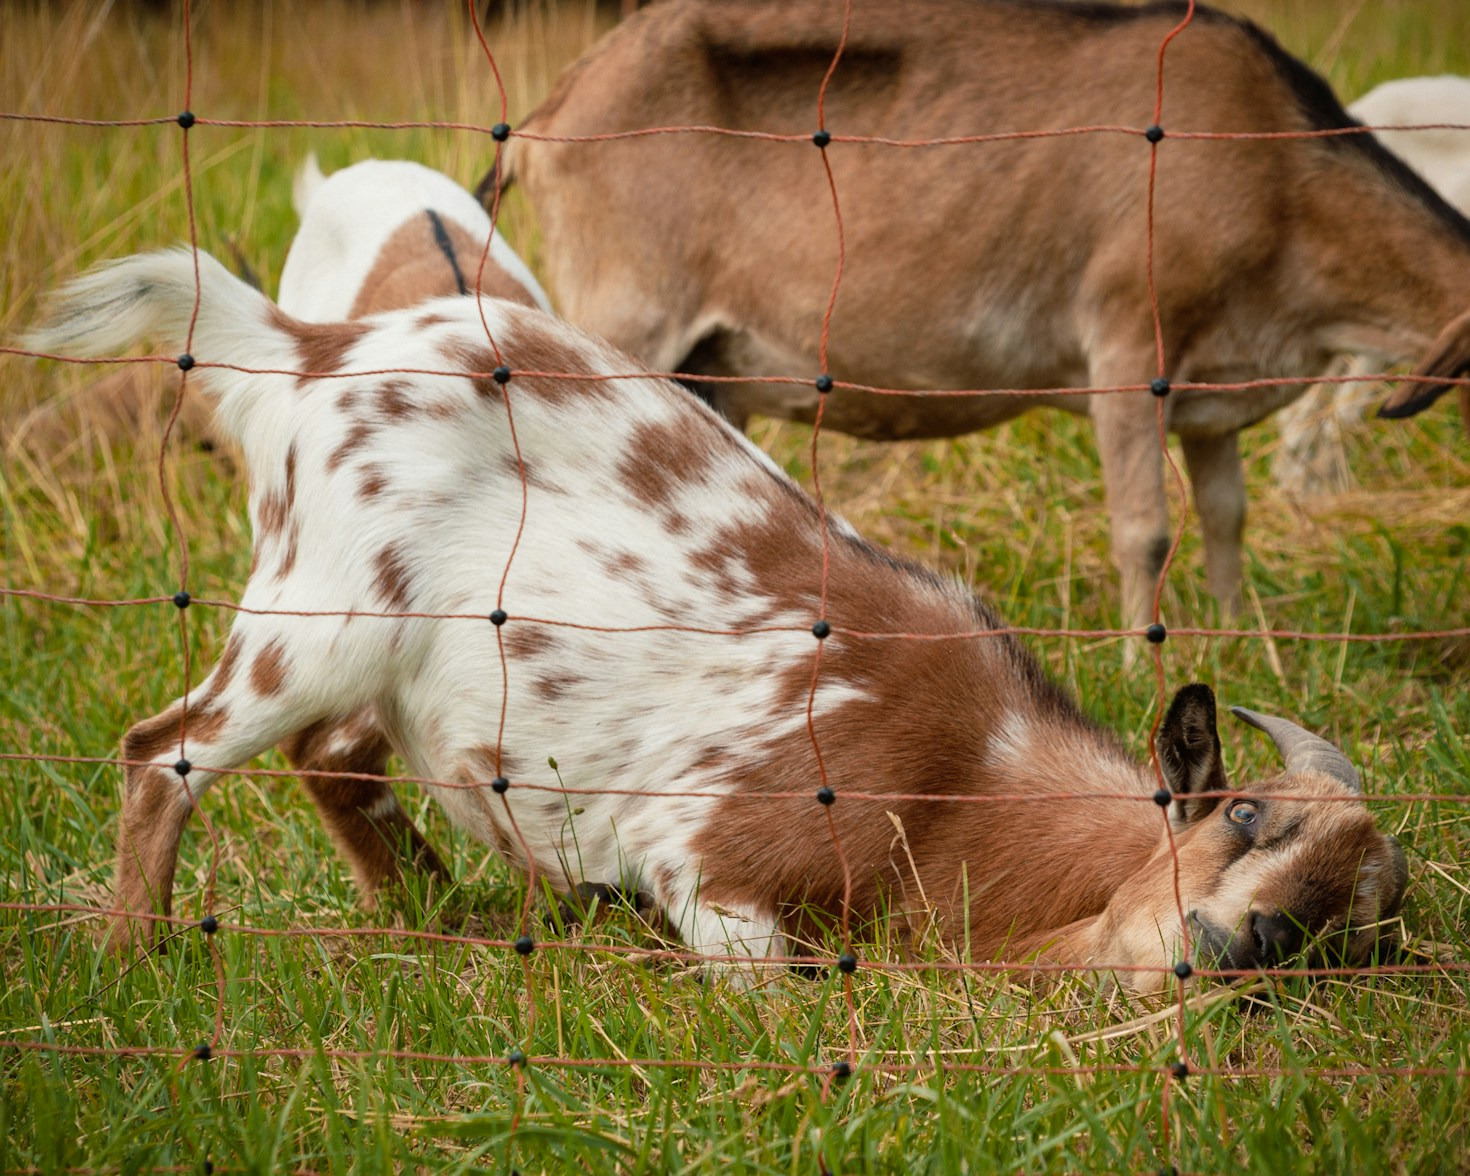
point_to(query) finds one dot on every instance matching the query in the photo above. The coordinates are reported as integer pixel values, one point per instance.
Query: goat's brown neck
(1092, 831)
(1072, 806)
(1418, 270)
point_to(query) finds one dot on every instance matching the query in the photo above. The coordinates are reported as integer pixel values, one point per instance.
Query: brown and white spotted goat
(382, 234)
(647, 514)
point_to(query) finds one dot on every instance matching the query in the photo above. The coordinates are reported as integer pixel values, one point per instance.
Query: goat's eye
(1242, 812)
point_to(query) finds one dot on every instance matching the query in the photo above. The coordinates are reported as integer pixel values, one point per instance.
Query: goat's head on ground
(1268, 871)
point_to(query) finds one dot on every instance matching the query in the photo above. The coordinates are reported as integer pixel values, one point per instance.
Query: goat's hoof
(588, 898)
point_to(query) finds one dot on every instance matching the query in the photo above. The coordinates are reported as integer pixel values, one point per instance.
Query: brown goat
(1018, 264)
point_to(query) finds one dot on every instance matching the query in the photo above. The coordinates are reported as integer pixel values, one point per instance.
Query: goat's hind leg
(342, 762)
(171, 761)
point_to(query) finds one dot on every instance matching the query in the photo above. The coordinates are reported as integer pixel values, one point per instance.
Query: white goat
(1440, 154)
(383, 234)
(1311, 457)
(401, 495)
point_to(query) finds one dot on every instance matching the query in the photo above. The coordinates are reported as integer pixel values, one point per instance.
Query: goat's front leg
(228, 721)
(1133, 479)
(362, 816)
(1219, 500)
(720, 929)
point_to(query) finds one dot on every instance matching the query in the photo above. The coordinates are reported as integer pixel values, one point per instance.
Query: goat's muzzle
(1263, 939)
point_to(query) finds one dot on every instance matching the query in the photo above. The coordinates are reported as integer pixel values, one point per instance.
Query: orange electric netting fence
(1188, 1061)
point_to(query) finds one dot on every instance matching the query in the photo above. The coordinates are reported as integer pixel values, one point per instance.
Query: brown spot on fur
(288, 556)
(206, 723)
(393, 403)
(425, 321)
(321, 347)
(710, 758)
(412, 267)
(553, 689)
(373, 482)
(224, 669)
(393, 582)
(524, 640)
(357, 436)
(716, 563)
(478, 360)
(486, 764)
(528, 346)
(530, 471)
(154, 737)
(268, 670)
(625, 565)
(663, 458)
(271, 513)
(291, 475)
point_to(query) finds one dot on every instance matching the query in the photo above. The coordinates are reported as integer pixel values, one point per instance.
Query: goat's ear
(1448, 358)
(1398, 879)
(485, 189)
(1189, 752)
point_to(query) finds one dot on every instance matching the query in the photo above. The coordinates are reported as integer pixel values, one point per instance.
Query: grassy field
(312, 1071)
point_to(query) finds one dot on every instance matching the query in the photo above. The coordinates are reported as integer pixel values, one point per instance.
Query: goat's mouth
(1274, 940)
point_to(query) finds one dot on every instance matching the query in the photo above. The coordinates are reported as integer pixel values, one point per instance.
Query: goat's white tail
(152, 296)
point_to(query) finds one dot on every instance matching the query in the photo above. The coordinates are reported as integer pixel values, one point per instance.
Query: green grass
(309, 1072)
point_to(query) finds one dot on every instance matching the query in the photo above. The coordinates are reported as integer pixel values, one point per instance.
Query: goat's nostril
(1259, 939)
(1276, 936)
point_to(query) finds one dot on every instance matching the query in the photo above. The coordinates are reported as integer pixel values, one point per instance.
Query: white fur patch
(385, 806)
(1009, 746)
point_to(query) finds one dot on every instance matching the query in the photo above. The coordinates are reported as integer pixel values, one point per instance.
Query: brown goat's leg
(1133, 478)
(362, 816)
(1219, 499)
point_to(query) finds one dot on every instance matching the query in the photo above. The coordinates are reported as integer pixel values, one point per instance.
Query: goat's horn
(1301, 749)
